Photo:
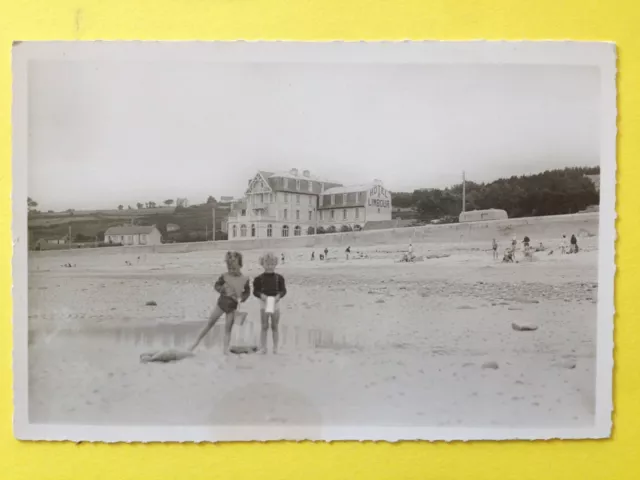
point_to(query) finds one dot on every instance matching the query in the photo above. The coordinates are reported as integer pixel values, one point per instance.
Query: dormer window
(310, 185)
(344, 198)
(333, 199)
(285, 182)
(297, 184)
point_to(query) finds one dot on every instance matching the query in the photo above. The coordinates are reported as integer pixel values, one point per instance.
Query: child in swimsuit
(269, 284)
(233, 288)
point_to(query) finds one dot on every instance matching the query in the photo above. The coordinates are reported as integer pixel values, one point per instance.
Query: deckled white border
(596, 54)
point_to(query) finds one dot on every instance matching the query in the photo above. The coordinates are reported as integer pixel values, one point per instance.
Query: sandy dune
(365, 341)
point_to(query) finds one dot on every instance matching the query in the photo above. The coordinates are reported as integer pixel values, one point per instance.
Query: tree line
(552, 192)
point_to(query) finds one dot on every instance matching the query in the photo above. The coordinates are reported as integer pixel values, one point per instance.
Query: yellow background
(613, 20)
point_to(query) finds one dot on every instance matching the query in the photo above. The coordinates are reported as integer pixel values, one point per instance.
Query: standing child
(495, 249)
(563, 244)
(233, 288)
(574, 244)
(269, 284)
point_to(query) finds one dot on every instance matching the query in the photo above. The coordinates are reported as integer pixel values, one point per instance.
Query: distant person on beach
(574, 244)
(321, 256)
(410, 251)
(514, 245)
(526, 242)
(508, 256)
(313, 256)
(563, 244)
(326, 253)
(233, 288)
(282, 258)
(269, 284)
(494, 245)
(347, 252)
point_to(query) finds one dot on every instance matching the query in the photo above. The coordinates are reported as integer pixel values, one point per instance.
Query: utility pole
(464, 193)
(206, 232)
(69, 237)
(213, 217)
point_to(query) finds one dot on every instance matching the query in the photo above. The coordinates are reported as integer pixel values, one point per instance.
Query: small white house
(133, 235)
(483, 215)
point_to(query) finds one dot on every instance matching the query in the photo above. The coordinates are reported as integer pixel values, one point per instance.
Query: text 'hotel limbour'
(291, 203)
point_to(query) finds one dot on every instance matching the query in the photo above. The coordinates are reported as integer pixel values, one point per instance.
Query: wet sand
(364, 341)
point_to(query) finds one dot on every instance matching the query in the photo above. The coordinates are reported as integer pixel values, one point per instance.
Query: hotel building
(294, 203)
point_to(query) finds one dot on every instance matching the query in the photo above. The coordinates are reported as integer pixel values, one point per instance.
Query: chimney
(306, 173)
(294, 171)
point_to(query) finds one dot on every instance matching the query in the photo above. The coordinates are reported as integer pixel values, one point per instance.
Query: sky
(104, 133)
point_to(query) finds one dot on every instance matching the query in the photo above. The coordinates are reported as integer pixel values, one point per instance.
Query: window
(297, 184)
(310, 186)
(298, 199)
(262, 198)
(234, 231)
(269, 230)
(243, 230)
(143, 239)
(333, 199)
(129, 239)
(344, 198)
(244, 212)
(286, 213)
(271, 197)
(285, 182)
(285, 230)
(344, 214)
(122, 239)
(310, 200)
(333, 214)
(357, 212)
(378, 210)
(297, 214)
(286, 197)
(310, 216)
(297, 231)
(358, 196)
(253, 230)
(321, 215)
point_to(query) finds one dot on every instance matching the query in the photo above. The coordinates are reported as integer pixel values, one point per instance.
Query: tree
(31, 203)
(311, 231)
(152, 204)
(82, 238)
(120, 207)
(211, 200)
(168, 202)
(140, 205)
(345, 229)
(321, 230)
(331, 229)
(129, 207)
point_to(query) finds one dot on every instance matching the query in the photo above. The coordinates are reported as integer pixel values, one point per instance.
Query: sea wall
(535, 227)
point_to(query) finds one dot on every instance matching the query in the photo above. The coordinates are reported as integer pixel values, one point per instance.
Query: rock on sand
(523, 327)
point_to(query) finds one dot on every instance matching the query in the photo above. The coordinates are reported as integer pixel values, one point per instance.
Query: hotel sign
(379, 197)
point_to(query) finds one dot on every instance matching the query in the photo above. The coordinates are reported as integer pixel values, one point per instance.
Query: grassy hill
(194, 223)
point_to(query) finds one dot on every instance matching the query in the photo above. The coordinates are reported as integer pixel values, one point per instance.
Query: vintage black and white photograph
(235, 241)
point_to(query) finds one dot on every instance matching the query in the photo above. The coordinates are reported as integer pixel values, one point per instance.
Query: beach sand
(363, 342)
